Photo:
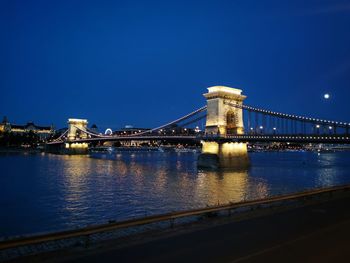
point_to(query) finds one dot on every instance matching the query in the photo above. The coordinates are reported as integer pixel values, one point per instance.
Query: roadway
(317, 233)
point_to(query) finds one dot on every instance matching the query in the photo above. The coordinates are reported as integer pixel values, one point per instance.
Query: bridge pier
(223, 120)
(75, 148)
(67, 148)
(223, 155)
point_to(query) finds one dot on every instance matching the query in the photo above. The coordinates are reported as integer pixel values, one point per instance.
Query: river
(46, 192)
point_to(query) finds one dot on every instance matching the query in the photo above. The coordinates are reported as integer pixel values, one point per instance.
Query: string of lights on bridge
(175, 121)
(192, 117)
(290, 116)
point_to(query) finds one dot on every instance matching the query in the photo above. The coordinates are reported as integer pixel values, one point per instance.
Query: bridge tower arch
(222, 120)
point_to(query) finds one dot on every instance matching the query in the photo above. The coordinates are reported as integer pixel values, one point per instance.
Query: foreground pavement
(316, 233)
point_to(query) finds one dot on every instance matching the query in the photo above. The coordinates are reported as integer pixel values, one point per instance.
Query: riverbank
(253, 224)
(316, 233)
(20, 150)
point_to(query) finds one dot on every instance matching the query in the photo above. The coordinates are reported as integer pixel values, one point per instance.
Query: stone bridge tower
(222, 120)
(73, 129)
(71, 146)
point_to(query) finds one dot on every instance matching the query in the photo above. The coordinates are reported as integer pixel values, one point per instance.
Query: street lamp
(330, 129)
(318, 129)
(261, 129)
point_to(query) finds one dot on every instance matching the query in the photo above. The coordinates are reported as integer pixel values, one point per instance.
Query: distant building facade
(130, 130)
(42, 131)
(94, 128)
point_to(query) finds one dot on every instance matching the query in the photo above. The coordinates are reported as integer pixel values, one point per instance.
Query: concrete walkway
(318, 233)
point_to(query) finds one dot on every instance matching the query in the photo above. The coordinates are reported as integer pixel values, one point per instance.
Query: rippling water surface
(44, 192)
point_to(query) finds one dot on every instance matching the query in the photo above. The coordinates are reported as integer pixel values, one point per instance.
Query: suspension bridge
(227, 122)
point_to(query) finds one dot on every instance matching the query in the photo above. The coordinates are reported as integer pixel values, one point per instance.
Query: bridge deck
(334, 139)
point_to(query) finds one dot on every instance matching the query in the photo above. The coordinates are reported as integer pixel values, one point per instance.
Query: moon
(326, 96)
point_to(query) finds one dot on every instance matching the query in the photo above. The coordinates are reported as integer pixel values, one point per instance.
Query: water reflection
(326, 174)
(74, 176)
(228, 186)
(221, 186)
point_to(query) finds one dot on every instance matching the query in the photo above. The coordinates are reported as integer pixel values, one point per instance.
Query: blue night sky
(147, 62)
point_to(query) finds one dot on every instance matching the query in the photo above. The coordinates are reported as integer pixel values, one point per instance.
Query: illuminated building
(42, 131)
(130, 130)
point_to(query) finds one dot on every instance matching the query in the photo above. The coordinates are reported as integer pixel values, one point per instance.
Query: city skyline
(144, 64)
